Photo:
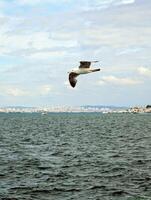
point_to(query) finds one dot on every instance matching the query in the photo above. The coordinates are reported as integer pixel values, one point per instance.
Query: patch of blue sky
(8, 60)
(14, 8)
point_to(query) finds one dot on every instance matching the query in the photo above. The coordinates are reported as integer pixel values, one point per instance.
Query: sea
(75, 156)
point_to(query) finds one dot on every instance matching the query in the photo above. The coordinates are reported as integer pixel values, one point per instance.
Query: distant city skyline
(40, 41)
(74, 109)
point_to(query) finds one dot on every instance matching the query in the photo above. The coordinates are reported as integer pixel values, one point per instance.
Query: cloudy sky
(41, 40)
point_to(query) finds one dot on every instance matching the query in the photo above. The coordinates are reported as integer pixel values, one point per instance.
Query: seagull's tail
(95, 70)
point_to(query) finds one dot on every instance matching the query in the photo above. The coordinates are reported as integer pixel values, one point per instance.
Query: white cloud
(129, 50)
(36, 41)
(45, 89)
(127, 1)
(46, 55)
(117, 37)
(36, 45)
(20, 43)
(144, 71)
(16, 91)
(103, 4)
(118, 81)
(13, 91)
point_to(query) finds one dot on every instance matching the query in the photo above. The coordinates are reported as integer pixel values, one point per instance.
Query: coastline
(80, 109)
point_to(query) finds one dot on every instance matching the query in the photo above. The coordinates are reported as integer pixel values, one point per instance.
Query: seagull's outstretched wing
(86, 64)
(72, 79)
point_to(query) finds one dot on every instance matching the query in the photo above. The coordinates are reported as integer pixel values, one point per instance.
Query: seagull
(84, 68)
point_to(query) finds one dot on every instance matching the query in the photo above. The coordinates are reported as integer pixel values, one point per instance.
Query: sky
(42, 40)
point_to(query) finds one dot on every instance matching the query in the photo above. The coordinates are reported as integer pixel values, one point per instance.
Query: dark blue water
(75, 156)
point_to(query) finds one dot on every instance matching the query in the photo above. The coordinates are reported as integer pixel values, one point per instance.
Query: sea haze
(63, 156)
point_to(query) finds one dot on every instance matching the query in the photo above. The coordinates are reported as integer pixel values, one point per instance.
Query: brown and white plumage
(72, 78)
(85, 64)
(84, 68)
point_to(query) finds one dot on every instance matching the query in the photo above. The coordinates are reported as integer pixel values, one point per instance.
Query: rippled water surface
(75, 156)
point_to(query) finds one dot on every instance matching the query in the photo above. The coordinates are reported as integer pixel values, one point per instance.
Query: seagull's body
(84, 68)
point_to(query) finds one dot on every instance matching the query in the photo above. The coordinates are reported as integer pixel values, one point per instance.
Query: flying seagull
(84, 68)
